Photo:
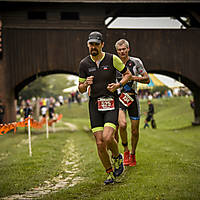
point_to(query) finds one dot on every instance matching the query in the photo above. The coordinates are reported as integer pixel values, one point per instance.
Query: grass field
(66, 166)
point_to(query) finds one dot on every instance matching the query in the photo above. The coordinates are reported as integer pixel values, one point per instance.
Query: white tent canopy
(71, 89)
(170, 82)
(160, 80)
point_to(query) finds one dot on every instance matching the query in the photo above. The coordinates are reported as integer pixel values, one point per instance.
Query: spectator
(43, 111)
(73, 97)
(149, 117)
(51, 111)
(21, 112)
(78, 97)
(27, 110)
(61, 100)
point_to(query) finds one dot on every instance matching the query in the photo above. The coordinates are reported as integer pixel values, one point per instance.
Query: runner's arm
(84, 83)
(144, 78)
(118, 64)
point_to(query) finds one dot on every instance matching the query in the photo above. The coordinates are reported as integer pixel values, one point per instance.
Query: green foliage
(167, 158)
(51, 85)
(34, 89)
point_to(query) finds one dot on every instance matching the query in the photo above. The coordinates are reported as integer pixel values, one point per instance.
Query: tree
(47, 86)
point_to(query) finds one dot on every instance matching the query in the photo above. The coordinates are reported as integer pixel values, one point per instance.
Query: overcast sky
(142, 22)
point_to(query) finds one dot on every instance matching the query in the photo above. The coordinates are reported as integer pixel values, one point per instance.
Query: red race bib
(105, 104)
(126, 99)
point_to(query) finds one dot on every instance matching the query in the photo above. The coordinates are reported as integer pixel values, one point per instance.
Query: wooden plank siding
(34, 52)
(172, 52)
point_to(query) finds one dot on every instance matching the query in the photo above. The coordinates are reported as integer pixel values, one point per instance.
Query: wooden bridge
(41, 38)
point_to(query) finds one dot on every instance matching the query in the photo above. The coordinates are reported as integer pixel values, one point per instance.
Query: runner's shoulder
(138, 62)
(85, 60)
(135, 59)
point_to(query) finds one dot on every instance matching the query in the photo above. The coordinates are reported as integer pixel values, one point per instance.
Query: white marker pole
(53, 126)
(47, 128)
(29, 136)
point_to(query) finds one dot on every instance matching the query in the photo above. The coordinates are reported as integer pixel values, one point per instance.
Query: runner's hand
(89, 80)
(112, 87)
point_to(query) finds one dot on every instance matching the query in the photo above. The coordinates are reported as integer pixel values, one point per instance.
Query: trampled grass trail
(66, 166)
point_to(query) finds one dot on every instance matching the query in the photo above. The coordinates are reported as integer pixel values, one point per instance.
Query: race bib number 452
(126, 99)
(105, 104)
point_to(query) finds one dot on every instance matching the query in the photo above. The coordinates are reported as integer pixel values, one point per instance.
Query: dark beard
(94, 52)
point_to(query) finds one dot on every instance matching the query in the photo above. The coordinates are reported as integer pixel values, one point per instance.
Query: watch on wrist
(120, 84)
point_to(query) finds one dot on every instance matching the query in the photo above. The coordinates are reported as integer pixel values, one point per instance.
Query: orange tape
(4, 128)
(55, 120)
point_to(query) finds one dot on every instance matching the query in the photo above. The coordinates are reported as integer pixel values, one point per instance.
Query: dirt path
(67, 177)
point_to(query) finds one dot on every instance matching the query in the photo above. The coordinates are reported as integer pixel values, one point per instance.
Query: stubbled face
(95, 48)
(122, 51)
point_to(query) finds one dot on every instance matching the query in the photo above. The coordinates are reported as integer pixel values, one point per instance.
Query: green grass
(168, 164)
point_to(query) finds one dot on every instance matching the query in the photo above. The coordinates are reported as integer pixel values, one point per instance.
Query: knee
(135, 131)
(123, 125)
(108, 140)
(100, 145)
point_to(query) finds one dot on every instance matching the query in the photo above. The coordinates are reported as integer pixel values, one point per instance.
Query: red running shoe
(132, 160)
(126, 158)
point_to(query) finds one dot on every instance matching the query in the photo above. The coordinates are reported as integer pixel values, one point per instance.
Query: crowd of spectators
(150, 94)
(42, 107)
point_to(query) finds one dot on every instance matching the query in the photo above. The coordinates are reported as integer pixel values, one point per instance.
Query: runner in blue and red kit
(129, 101)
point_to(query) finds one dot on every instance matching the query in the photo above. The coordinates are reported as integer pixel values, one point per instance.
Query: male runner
(129, 101)
(98, 70)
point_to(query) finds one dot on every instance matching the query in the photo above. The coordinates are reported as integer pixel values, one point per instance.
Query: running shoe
(126, 158)
(110, 178)
(118, 165)
(132, 160)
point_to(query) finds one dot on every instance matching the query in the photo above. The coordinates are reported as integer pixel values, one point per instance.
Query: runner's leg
(134, 134)
(102, 150)
(117, 134)
(123, 127)
(111, 143)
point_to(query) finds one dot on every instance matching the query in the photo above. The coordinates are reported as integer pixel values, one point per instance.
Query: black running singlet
(104, 73)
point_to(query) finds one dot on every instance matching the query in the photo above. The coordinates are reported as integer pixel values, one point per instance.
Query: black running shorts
(100, 119)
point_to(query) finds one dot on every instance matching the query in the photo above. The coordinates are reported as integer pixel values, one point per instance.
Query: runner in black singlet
(129, 101)
(98, 70)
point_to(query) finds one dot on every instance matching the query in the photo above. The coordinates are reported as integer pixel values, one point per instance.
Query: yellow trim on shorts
(82, 79)
(110, 125)
(97, 129)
